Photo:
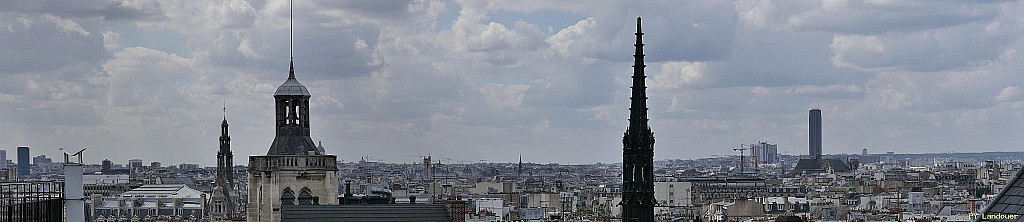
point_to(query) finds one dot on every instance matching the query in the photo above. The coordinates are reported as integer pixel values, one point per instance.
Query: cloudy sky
(492, 80)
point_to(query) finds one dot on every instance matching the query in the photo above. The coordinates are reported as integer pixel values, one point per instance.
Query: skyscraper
(107, 167)
(24, 166)
(638, 146)
(135, 164)
(3, 159)
(764, 152)
(814, 162)
(814, 139)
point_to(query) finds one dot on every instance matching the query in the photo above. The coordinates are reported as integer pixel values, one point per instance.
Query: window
(305, 198)
(287, 197)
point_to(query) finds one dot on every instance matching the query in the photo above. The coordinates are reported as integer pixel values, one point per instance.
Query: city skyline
(494, 80)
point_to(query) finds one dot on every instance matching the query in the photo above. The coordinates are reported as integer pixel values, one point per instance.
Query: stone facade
(298, 179)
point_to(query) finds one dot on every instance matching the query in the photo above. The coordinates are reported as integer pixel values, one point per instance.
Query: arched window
(287, 197)
(305, 197)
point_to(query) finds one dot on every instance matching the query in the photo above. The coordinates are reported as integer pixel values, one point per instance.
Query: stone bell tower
(293, 172)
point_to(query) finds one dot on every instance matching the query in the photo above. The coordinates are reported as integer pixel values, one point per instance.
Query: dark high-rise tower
(107, 167)
(638, 146)
(292, 115)
(24, 167)
(814, 139)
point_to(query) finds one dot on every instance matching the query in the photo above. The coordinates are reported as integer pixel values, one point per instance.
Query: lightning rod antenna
(291, 24)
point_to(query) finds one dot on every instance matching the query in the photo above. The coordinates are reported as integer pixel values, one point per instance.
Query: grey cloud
(900, 16)
(37, 44)
(778, 58)
(50, 114)
(106, 9)
(947, 49)
(690, 31)
(148, 79)
(376, 9)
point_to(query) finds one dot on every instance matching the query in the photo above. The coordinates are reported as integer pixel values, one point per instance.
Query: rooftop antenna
(66, 155)
(291, 24)
(291, 41)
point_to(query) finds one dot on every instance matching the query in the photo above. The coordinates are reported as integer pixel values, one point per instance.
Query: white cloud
(147, 78)
(110, 40)
(67, 25)
(1009, 94)
(502, 96)
(677, 74)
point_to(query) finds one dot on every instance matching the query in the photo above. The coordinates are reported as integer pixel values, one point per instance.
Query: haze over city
(492, 80)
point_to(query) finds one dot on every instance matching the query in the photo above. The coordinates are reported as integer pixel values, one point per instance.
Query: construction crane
(741, 156)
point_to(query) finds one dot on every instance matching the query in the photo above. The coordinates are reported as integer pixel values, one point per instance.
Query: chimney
(785, 203)
(348, 188)
(73, 192)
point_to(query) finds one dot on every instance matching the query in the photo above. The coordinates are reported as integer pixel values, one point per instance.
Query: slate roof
(163, 191)
(807, 164)
(819, 165)
(370, 212)
(291, 87)
(1010, 200)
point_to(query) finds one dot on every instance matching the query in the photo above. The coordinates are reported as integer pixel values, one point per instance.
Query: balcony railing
(32, 201)
(293, 162)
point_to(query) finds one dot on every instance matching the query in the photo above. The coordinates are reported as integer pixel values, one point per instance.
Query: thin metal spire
(225, 109)
(291, 27)
(291, 40)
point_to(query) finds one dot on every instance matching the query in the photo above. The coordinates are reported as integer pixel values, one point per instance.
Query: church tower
(224, 201)
(291, 112)
(225, 176)
(293, 172)
(638, 146)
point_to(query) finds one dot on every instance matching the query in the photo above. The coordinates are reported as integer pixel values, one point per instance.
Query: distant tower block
(426, 167)
(814, 140)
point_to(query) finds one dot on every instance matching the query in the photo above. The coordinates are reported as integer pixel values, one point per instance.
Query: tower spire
(292, 108)
(638, 146)
(638, 103)
(291, 40)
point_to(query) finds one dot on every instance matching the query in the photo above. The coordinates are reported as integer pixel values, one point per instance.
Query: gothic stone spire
(638, 146)
(638, 100)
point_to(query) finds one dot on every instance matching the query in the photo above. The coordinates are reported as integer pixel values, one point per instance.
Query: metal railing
(292, 162)
(41, 201)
